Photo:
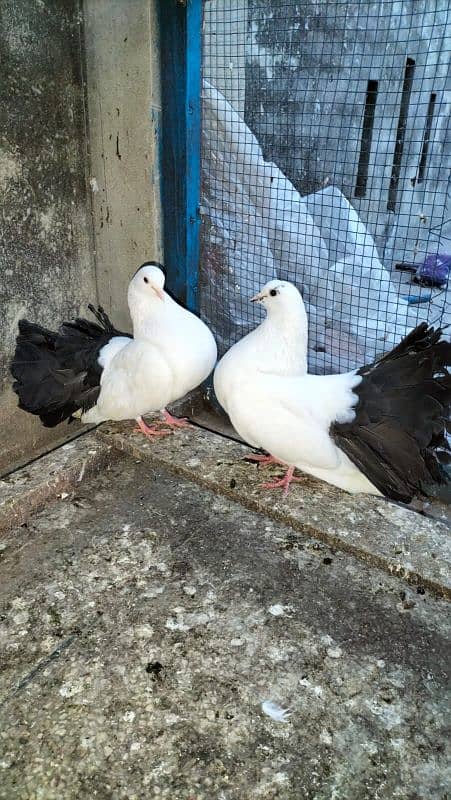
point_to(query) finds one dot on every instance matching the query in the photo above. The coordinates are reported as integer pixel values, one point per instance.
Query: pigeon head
(146, 297)
(148, 281)
(279, 297)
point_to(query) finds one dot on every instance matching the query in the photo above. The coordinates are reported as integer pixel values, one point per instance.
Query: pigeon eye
(273, 292)
(146, 280)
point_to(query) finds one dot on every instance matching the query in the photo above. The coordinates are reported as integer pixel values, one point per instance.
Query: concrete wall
(124, 113)
(79, 212)
(46, 252)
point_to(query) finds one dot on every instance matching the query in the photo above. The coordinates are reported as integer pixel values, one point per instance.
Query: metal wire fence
(325, 161)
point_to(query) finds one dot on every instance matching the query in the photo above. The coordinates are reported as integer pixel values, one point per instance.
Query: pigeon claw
(175, 422)
(264, 461)
(149, 430)
(283, 483)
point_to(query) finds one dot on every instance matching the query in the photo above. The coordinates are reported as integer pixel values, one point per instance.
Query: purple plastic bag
(435, 270)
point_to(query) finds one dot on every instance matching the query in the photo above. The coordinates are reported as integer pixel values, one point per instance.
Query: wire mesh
(325, 161)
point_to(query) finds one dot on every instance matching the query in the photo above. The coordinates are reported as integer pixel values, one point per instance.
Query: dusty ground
(144, 620)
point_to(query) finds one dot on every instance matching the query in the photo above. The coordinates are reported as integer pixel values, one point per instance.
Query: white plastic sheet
(256, 226)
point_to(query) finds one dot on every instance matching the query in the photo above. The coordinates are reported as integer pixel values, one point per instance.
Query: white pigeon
(98, 373)
(281, 349)
(378, 430)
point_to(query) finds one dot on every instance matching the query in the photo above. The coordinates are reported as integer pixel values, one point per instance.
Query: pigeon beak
(256, 298)
(158, 292)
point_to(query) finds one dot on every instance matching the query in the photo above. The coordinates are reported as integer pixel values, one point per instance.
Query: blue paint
(193, 141)
(414, 299)
(180, 37)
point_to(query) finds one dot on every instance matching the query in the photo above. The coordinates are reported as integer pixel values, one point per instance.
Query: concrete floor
(143, 622)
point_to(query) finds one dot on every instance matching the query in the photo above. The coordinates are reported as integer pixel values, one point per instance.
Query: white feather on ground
(275, 711)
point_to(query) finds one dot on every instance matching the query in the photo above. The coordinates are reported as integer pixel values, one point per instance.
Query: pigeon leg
(284, 483)
(174, 422)
(261, 459)
(148, 430)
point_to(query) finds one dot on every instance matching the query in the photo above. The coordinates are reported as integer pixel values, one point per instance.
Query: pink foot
(283, 482)
(147, 430)
(175, 422)
(260, 459)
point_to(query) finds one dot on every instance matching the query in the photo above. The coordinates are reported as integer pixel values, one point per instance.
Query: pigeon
(269, 345)
(92, 371)
(379, 430)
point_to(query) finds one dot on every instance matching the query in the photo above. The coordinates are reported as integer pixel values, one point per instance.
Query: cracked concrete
(144, 620)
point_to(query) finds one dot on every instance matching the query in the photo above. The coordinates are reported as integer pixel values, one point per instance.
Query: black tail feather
(57, 373)
(397, 438)
(102, 318)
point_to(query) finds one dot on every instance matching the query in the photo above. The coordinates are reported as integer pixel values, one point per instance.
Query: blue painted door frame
(180, 42)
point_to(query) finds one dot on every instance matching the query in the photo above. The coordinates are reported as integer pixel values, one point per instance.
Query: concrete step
(381, 533)
(153, 630)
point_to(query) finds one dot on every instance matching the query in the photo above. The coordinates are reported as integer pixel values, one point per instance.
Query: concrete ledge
(26, 491)
(400, 541)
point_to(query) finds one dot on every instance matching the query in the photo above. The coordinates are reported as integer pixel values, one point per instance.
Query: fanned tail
(57, 373)
(398, 437)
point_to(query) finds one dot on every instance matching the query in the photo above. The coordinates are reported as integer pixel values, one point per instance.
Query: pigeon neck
(285, 333)
(149, 315)
(290, 321)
